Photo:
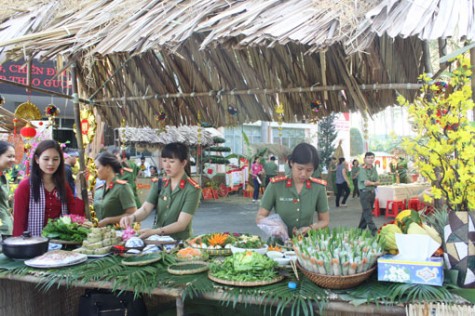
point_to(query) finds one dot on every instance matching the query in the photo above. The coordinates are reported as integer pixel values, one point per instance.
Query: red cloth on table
(52, 207)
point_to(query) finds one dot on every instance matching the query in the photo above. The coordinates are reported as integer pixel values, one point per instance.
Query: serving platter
(56, 259)
(142, 260)
(66, 242)
(245, 283)
(183, 268)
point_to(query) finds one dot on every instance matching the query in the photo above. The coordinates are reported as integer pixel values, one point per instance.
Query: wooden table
(399, 192)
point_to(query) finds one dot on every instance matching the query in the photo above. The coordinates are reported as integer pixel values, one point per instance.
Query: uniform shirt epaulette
(154, 180)
(278, 179)
(193, 183)
(120, 181)
(127, 169)
(319, 181)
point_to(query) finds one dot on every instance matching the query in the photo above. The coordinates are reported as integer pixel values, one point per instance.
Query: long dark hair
(178, 151)
(108, 159)
(36, 175)
(303, 154)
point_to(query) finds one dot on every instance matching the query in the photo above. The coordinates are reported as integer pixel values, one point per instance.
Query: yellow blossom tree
(444, 145)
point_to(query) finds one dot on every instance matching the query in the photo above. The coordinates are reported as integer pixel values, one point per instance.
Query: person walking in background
(45, 194)
(7, 160)
(342, 183)
(368, 180)
(355, 171)
(299, 199)
(270, 168)
(69, 162)
(331, 186)
(256, 171)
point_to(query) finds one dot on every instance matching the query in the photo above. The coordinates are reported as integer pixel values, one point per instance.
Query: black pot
(24, 247)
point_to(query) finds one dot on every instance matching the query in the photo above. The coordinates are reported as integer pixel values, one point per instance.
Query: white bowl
(282, 261)
(291, 255)
(275, 254)
(262, 250)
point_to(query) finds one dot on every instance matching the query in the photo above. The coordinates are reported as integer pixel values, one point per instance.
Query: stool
(414, 204)
(394, 207)
(376, 210)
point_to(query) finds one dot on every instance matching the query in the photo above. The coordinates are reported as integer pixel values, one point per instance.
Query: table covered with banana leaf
(262, 284)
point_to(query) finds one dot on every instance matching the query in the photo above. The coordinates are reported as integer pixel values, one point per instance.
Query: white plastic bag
(274, 226)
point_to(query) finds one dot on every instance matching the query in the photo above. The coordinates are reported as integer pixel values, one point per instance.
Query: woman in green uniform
(114, 198)
(299, 199)
(176, 201)
(7, 159)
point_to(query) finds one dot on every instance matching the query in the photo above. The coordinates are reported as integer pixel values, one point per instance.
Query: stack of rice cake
(99, 241)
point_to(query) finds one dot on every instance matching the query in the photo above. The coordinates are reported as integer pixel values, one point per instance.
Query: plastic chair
(376, 210)
(394, 207)
(414, 204)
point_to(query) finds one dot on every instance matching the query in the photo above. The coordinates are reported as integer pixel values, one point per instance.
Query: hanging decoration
(28, 111)
(160, 118)
(123, 136)
(279, 110)
(232, 115)
(365, 132)
(91, 176)
(52, 112)
(199, 136)
(315, 106)
(88, 125)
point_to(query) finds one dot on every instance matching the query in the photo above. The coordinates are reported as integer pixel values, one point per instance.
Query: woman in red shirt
(45, 194)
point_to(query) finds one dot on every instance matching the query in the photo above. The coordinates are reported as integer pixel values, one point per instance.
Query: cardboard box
(415, 272)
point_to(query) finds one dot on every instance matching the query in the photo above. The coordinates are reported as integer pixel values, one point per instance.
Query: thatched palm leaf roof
(184, 134)
(193, 59)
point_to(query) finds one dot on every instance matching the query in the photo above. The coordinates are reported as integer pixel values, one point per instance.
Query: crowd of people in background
(50, 190)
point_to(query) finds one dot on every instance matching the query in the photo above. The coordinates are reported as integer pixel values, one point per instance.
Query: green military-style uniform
(296, 210)
(271, 169)
(129, 175)
(185, 198)
(5, 215)
(114, 199)
(367, 196)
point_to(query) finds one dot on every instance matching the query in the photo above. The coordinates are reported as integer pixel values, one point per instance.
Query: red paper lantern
(28, 131)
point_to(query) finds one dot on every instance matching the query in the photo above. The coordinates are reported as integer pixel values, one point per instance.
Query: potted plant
(443, 152)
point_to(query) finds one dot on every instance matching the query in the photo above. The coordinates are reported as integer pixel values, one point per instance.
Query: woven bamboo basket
(335, 282)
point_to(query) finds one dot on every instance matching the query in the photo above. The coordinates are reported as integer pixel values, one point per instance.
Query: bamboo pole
(214, 93)
(426, 56)
(77, 121)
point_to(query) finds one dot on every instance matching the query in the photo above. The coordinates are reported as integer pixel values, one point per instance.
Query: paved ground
(237, 214)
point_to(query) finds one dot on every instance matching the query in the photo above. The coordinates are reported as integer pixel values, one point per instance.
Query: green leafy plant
(445, 141)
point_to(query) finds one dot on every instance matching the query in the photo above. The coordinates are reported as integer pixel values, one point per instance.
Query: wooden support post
(427, 63)
(77, 121)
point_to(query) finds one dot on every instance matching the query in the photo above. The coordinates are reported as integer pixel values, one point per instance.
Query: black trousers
(367, 202)
(356, 190)
(342, 189)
